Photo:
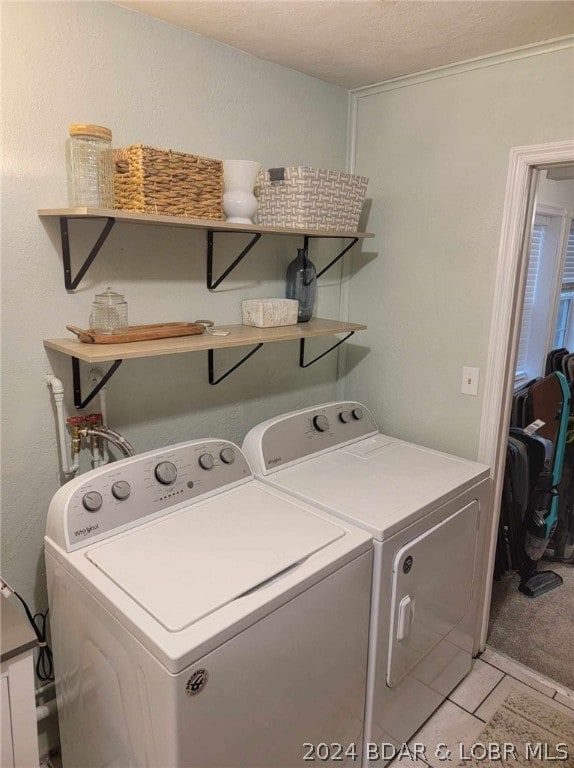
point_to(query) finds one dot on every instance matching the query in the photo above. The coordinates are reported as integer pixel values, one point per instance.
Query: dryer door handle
(406, 617)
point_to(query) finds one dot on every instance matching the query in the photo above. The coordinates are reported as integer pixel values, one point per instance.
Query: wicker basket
(172, 183)
(310, 198)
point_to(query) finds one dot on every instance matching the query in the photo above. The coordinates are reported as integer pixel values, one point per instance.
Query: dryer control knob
(166, 472)
(321, 423)
(121, 490)
(206, 461)
(358, 413)
(227, 455)
(92, 501)
(345, 416)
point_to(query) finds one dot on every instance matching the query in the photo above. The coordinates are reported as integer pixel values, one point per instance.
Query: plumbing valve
(76, 423)
(93, 420)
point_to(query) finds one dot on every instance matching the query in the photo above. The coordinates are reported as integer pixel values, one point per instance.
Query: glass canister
(90, 167)
(109, 313)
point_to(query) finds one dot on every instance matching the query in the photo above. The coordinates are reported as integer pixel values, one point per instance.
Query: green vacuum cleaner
(551, 399)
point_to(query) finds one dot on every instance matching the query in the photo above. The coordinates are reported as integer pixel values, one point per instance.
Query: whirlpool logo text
(85, 531)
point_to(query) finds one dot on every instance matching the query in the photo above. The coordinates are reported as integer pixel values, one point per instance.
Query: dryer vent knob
(321, 423)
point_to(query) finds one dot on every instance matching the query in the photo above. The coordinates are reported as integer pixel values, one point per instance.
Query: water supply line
(58, 393)
(91, 427)
(111, 436)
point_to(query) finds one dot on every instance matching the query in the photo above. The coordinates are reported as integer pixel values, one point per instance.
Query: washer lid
(187, 565)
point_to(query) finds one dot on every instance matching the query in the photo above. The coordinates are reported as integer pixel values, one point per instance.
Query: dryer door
(432, 589)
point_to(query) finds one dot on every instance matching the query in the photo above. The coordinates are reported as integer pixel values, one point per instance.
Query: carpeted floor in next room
(536, 632)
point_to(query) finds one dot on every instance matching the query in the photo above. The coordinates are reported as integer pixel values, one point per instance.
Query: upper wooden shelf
(134, 217)
(111, 216)
(239, 336)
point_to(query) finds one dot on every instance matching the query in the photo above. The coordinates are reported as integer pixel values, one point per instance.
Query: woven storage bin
(310, 198)
(172, 183)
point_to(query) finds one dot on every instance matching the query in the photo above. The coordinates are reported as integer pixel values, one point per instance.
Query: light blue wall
(437, 153)
(66, 62)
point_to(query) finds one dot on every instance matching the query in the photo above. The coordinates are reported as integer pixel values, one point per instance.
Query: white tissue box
(268, 313)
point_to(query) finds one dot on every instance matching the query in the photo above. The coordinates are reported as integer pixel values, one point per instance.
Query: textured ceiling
(354, 43)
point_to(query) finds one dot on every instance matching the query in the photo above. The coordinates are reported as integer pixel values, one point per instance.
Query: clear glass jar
(90, 167)
(109, 313)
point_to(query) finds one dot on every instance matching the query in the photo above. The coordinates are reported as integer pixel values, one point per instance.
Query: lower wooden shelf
(239, 336)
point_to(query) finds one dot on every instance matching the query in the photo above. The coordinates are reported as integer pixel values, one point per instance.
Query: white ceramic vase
(239, 202)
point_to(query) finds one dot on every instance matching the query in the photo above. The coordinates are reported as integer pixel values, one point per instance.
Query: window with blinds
(568, 274)
(565, 317)
(534, 257)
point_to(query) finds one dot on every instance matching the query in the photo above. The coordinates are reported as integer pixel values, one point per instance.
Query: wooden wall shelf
(110, 216)
(134, 217)
(238, 336)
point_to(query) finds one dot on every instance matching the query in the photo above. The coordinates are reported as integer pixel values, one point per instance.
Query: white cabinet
(18, 731)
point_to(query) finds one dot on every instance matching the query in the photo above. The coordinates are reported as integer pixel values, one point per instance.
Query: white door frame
(505, 329)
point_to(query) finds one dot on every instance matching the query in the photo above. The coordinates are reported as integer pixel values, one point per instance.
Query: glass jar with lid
(90, 167)
(109, 313)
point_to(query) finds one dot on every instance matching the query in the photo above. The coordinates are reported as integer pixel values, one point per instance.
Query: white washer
(201, 618)
(423, 509)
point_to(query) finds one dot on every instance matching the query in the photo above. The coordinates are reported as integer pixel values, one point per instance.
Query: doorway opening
(524, 330)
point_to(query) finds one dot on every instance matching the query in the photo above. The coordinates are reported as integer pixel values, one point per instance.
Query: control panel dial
(206, 461)
(121, 490)
(166, 472)
(227, 455)
(358, 413)
(345, 416)
(92, 501)
(321, 423)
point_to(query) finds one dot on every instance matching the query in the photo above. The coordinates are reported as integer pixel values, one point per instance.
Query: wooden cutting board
(138, 333)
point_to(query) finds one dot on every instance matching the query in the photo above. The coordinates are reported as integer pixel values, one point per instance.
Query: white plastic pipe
(48, 693)
(58, 393)
(45, 710)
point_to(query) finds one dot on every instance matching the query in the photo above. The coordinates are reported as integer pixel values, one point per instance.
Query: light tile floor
(462, 717)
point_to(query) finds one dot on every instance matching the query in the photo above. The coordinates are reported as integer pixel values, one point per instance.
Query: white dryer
(423, 509)
(201, 618)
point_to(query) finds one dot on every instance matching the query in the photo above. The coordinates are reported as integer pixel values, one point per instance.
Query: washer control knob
(166, 472)
(227, 455)
(345, 416)
(358, 413)
(206, 461)
(92, 501)
(321, 423)
(121, 490)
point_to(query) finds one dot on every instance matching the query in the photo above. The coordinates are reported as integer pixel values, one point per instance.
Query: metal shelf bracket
(70, 282)
(211, 283)
(303, 364)
(336, 259)
(211, 374)
(78, 402)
